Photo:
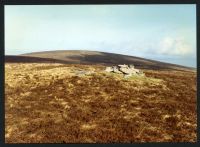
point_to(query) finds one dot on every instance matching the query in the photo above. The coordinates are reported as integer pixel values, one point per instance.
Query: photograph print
(100, 73)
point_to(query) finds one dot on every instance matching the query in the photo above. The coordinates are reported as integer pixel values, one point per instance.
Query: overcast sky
(160, 32)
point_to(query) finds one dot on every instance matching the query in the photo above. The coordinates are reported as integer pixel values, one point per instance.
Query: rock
(116, 70)
(131, 66)
(109, 69)
(127, 70)
(127, 75)
(123, 66)
(83, 73)
(136, 70)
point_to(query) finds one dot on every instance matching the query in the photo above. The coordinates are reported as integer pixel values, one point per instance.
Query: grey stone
(81, 73)
(127, 70)
(136, 70)
(109, 69)
(127, 75)
(123, 66)
(116, 70)
(131, 66)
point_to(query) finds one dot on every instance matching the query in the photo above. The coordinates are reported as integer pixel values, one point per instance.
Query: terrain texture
(52, 103)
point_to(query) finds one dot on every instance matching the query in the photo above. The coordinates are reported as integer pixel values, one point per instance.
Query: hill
(92, 57)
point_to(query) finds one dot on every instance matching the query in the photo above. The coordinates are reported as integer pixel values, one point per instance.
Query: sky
(160, 32)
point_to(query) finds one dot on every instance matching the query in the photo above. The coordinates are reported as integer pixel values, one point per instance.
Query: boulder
(127, 70)
(116, 70)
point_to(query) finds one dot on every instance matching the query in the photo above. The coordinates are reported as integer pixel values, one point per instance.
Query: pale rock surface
(127, 70)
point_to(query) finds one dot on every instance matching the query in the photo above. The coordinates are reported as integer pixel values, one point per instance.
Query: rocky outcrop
(126, 70)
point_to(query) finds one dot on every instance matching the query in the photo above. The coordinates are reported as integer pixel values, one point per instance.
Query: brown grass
(48, 103)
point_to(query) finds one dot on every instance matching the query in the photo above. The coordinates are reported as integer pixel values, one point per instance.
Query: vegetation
(49, 103)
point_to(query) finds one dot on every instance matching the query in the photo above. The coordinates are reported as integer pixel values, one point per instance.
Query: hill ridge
(93, 57)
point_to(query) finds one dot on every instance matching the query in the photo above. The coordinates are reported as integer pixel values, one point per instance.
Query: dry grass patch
(49, 103)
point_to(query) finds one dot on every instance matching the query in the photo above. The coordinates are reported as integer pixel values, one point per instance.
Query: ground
(49, 103)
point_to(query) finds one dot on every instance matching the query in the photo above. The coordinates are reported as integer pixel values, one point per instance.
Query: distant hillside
(91, 57)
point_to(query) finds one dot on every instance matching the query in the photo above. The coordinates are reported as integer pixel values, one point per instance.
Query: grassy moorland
(49, 103)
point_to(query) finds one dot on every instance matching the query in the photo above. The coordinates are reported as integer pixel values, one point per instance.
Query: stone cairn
(126, 70)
